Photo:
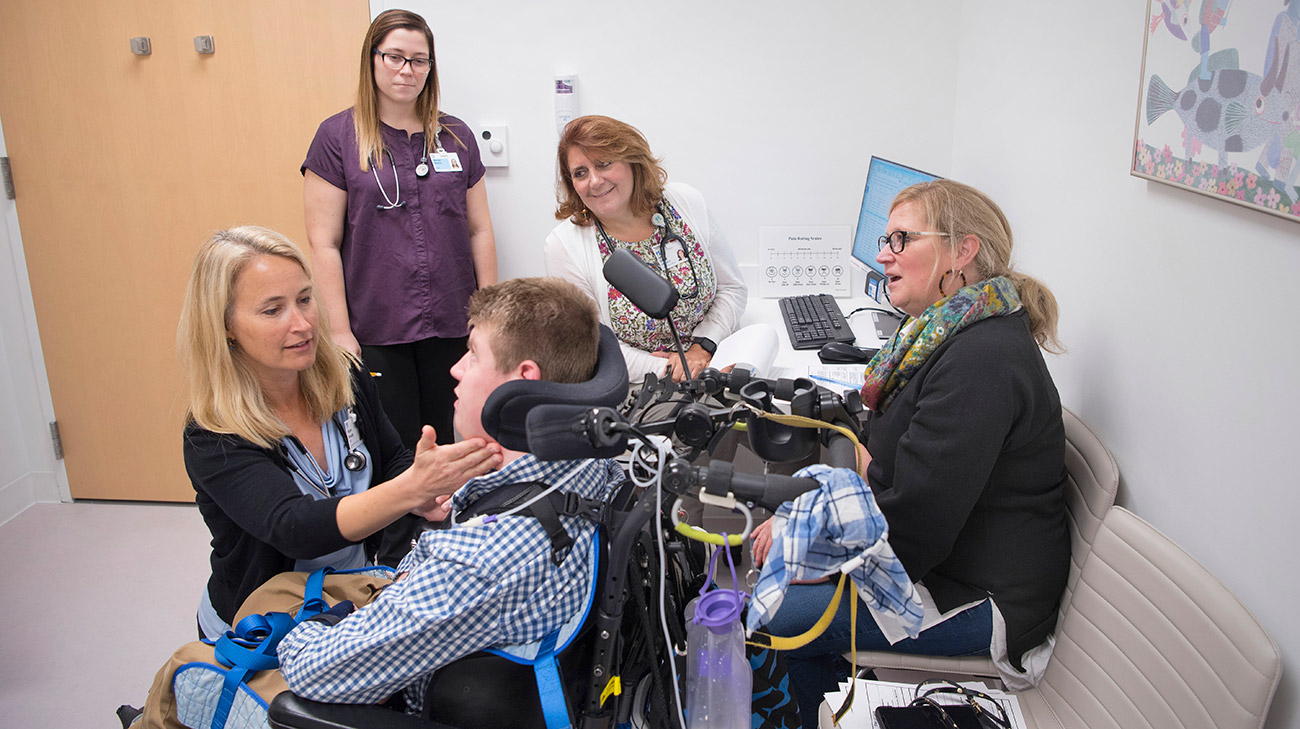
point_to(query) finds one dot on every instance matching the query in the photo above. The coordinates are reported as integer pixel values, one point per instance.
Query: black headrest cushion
(506, 411)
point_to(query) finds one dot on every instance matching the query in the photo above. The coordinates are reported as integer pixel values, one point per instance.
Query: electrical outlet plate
(494, 145)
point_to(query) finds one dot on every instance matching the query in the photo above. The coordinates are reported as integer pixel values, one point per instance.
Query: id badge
(445, 162)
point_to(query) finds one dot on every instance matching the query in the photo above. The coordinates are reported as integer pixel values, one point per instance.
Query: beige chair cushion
(1151, 639)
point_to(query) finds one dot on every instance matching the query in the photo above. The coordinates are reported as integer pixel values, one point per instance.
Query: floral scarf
(916, 339)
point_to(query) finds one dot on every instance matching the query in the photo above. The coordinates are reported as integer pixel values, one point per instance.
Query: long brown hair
(608, 140)
(365, 115)
(961, 210)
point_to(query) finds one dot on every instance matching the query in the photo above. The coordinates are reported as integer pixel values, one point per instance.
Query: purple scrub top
(408, 271)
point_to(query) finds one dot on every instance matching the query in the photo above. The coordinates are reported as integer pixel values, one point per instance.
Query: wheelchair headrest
(505, 413)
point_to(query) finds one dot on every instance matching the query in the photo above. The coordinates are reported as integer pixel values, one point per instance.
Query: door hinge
(57, 440)
(8, 177)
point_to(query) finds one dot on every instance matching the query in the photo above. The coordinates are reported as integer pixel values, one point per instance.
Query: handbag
(228, 683)
(924, 716)
(980, 711)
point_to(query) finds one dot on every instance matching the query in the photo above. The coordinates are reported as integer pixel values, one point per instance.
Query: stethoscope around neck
(666, 236)
(421, 171)
(354, 461)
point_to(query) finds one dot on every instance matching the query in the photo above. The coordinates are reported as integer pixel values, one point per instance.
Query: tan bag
(283, 594)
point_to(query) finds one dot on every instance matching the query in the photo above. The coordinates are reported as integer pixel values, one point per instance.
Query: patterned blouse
(689, 271)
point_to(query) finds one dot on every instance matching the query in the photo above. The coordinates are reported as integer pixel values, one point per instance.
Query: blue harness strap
(312, 602)
(251, 646)
(546, 668)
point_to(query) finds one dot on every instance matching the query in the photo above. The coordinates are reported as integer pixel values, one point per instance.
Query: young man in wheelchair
(485, 582)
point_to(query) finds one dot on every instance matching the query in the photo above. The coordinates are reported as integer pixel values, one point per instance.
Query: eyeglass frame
(943, 686)
(384, 56)
(888, 240)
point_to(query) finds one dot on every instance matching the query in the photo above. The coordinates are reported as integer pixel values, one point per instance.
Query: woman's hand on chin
(441, 469)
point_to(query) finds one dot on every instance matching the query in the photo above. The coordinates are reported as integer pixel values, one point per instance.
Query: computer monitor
(885, 180)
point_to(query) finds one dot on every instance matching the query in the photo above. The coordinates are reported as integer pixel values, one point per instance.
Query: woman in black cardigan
(966, 451)
(294, 464)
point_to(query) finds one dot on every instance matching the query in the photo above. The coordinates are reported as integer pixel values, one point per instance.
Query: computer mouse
(844, 353)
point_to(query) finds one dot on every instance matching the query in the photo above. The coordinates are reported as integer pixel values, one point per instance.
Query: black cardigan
(968, 467)
(260, 521)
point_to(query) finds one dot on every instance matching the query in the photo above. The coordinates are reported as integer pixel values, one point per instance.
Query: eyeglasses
(899, 239)
(396, 61)
(987, 710)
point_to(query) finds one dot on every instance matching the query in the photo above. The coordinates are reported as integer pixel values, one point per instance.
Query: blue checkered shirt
(824, 529)
(468, 588)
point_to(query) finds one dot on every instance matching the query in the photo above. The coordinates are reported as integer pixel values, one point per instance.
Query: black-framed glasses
(989, 712)
(396, 61)
(899, 239)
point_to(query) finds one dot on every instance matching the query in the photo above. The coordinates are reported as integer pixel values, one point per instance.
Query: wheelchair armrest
(290, 711)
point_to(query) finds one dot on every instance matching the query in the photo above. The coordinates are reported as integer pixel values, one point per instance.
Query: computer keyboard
(812, 320)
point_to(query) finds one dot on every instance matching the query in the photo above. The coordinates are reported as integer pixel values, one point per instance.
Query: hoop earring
(959, 272)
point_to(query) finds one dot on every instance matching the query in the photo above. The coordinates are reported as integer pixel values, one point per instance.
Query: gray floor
(96, 596)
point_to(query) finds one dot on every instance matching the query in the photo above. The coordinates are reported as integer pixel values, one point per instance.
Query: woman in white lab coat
(613, 194)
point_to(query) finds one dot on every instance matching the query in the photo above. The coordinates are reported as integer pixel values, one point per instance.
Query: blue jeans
(819, 667)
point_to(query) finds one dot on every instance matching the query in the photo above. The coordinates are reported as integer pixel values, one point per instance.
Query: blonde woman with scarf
(966, 447)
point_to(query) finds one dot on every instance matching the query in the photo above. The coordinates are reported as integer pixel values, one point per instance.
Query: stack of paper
(830, 376)
(754, 347)
(870, 694)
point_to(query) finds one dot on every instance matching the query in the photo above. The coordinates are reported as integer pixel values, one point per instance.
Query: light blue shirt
(335, 480)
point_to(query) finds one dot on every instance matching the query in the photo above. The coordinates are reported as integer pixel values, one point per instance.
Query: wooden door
(124, 164)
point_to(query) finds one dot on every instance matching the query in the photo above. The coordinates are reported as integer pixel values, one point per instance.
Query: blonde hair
(225, 395)
(960, 210)
(608, 140)
(547, 320)
(365, 114)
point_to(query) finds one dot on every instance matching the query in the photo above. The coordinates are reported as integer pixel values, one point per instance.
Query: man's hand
(436, 510)
(761, 539)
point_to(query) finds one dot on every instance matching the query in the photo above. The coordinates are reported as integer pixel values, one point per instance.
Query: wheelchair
(621, 666)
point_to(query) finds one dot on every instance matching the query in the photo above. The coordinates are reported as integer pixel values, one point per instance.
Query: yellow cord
(691, 531)
(781, 643)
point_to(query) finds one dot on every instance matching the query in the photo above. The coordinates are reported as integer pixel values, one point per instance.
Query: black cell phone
(922, 717)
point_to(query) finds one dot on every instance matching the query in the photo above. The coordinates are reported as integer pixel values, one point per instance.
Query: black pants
(415, 388)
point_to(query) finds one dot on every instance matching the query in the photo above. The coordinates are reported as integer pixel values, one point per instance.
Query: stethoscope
(421, 171)
(666, 235)
(354, 461)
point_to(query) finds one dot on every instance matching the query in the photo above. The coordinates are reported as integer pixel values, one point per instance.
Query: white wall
(770, 110)
(1177, 308)
(28, 471)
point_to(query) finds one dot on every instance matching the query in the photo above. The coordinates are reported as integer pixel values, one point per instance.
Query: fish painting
(1226, 112)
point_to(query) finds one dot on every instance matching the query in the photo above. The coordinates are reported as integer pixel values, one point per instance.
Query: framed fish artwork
(1219, 102)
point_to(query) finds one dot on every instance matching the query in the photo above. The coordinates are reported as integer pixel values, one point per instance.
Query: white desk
(768, 311)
